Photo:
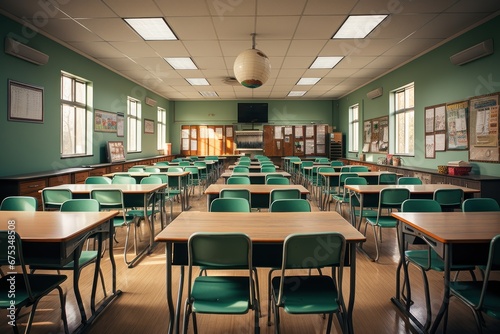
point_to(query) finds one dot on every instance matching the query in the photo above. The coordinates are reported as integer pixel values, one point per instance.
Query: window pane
(80, 131)
(68, 129)
(66, 89)
(80, 92)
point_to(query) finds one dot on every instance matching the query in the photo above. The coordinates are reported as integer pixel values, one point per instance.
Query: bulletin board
(376, 135)
(456, 125)
(484, 137)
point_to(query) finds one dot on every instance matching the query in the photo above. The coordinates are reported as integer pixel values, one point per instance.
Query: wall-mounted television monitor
(116, 151)
(252, 113)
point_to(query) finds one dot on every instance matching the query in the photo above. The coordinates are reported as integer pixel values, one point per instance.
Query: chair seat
(384, 221)
(308, 294)
(471, 291)
(221, 294)
(40, 285)
(420, 257)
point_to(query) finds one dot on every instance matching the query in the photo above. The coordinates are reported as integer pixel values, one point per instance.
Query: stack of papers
(459, 163)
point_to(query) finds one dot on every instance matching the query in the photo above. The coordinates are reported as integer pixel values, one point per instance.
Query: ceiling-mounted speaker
(19, 50)
(150, 102)
(477, 51)
(375, 93)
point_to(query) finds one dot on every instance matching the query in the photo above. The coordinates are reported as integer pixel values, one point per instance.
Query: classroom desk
(368, 194)
(252, 168)
(57, 238)
(255, 177)
(262, 228)
(146, 190)
(259, 192)
(457, 237)
(332, 180)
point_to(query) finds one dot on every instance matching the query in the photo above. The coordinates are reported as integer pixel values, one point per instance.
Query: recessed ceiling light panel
(326, 62)
(359, 26)
(152, 29)
(181, 63)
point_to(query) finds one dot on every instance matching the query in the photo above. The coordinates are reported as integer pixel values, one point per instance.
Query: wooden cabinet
(335, 145)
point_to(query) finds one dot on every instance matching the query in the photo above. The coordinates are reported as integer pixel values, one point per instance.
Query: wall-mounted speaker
(477, 51)
(150, 102)
(19, 50)
(375, 93)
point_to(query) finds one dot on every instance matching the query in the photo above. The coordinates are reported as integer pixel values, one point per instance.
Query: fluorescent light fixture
(359, 26)
(181, 63)
(326, 62)
(297, 93)
(308, 81)
(198, 81)
(152, 29)
(209, 94)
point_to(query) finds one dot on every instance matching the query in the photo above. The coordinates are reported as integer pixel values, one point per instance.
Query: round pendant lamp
(252, 68)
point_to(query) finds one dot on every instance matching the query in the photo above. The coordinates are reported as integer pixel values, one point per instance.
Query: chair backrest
(290, 205)
(307, 163)
(277, 180)
(268, 169)
(244, 163)
(336, 163)
(238, 180)
(323, 161)
(162, 163)
(11, 240)
(184, 163)
(409, 180)
(284, 193)
(345, 169)
(492, 264)
(97, 180)
(119, 179)
(449, 198)
(152, 169)
(241, 169)
(151, 180)
(235, 193)
(387, 178)
(81, 205)
(19, 203)
(274, 175)
(136, 169)
(108, 198)
(163, 177)
(344, 176)
(480, 204)
(200, 164)
(230, 205)
(392, 198)
(54, 198)
(358, 169)
(193, 170)
(356, 180)
(420, 205)
(176, 169)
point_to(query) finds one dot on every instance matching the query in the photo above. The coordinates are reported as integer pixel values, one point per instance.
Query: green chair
(29, 288)
(238, 180)
(346, 195)
(194, 179)
(278, 180)
(450, 199)
(230, 205)
(118, 179)
(425, 259)
(86, 257)
(340, 195)
(389, 199)
(52, 199)
(19, 203)
(236, 193)
(336, 163)
(311, 294)
(370, 205)
(202, 171)
(480, 205)
(284, 193)
(387, 178)
(241, 169)
(184, 163)
(167, 196)
(482, 296)
(220, 294)
(97, 180)
(136, 169)
(162, 163)
(358, 169)
(290, 205)
(152, 169)
(268, 175)
(244, 163)
(409, 180)
(267, 169)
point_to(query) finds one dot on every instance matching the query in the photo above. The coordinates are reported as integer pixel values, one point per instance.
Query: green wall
(34, 147)
(436, 81)
(281, 112)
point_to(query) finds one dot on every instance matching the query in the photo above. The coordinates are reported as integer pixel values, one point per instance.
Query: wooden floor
(141, 308)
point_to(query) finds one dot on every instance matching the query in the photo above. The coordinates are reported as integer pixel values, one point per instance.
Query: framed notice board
(376, 135)
(484, 137)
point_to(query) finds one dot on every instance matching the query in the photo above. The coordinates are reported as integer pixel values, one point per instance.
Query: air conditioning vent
(477, 51)
(19, 50)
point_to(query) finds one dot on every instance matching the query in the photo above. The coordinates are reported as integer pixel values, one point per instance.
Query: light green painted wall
(436, 81)
(281, 112)
(34, 147)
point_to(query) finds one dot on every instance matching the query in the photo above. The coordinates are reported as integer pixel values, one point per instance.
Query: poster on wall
(456, 125)
(484, 134)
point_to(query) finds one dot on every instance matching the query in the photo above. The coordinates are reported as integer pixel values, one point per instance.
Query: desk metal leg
(352, 292)
(170, 303)
(150, 224)
(446, 293)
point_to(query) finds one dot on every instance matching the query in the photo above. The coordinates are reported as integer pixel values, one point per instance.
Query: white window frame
(79, 139)
(407, 111)
(354, 128)
(134, 125)
(161, 128)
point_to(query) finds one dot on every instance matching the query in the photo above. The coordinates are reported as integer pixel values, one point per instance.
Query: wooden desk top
(146, 174)
(227, 174)
(414, 189)
(215, 188)
(126, 188)
(251, 166)
(262, 227)
(359, 173)
(53, 226)
(454, 227)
